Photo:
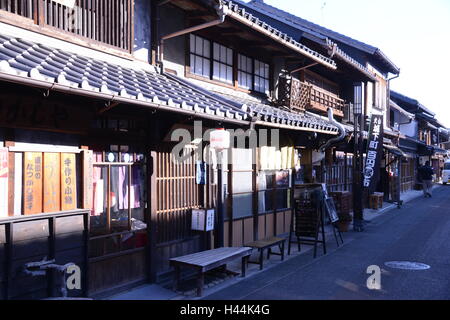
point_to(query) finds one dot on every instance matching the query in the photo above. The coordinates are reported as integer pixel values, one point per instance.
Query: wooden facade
(99, 24)
(111, 174)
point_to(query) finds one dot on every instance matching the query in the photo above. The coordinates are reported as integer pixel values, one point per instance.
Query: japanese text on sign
(374, 151)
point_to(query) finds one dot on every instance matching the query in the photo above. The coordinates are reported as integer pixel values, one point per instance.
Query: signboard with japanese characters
(3, 182)
(32, 186)
(203, 219)
(374, 154)
(52, 184)
(68, 182)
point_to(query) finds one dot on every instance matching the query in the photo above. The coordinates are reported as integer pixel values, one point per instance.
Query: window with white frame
(200, 51)
(245, 72)
(223, 63)
(261, 81)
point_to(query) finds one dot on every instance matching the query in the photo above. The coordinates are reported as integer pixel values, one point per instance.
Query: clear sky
(414, 34)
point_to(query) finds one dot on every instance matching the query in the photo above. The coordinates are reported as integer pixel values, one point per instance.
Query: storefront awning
(395, 150)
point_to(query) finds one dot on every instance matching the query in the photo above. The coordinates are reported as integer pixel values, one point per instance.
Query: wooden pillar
(307, 162)
(255, 195)
(230, 197)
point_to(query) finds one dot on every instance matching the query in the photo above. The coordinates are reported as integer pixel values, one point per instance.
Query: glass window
(223, 63)
(245, 72)
(118, 196)
(200, 55)
(261, 83)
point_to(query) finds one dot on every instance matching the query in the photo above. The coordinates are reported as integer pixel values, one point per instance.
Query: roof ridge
(318, 30)
(295, 19)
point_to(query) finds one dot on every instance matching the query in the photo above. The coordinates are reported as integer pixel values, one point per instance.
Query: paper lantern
(220, 139)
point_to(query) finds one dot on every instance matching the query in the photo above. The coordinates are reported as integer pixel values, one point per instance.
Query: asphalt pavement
(419, 232)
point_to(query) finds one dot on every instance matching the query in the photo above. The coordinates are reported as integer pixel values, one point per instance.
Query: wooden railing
(301, 96)
(23, 8)
(107, 22)
(62, 236)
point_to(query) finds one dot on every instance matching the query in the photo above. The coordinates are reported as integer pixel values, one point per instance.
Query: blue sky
(414, 34)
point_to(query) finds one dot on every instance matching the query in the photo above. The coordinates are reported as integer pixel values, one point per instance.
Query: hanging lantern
(220, 139)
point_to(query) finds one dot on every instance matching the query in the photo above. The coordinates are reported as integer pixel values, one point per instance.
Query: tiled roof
(30, 60)
(239, 13)
(347, 58)
(313, 28)
(400, 98)
(40, 62)
(260, 110)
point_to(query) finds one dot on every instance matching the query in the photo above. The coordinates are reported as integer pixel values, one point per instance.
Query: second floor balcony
(108, 24)
(303, 96)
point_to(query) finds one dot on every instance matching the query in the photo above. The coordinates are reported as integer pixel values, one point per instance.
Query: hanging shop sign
(32, 186)
(68, 182)
(52, 183)
(374, 154)
(28, 112)
(3, 182)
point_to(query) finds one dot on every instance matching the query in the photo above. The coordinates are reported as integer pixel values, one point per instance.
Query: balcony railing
(301, 96)
(108, 22)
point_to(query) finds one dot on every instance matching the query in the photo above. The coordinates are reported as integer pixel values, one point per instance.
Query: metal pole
(357, 172)
(218, 239)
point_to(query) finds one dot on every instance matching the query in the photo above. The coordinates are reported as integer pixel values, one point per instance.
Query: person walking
(426, 173)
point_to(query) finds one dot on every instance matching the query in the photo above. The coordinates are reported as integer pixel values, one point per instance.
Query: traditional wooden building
(90, 99)
(363, 80)
(95, 96)
(423, 134)
(222, 50)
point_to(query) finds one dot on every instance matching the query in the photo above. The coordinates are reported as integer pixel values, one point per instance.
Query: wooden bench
(207, 260)
(267, 244)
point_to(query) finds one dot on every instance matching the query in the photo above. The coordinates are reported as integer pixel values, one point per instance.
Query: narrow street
(419, 232)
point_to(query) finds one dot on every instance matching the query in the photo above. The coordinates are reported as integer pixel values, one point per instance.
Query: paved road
(419, 232)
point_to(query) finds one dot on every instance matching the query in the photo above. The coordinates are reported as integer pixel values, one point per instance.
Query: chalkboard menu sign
(310, 202)
(307, 220)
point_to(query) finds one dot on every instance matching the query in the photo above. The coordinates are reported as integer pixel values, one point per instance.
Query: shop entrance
(118, 223)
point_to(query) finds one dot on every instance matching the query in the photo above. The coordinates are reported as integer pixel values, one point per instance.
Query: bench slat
(211, 257)
(264, 243)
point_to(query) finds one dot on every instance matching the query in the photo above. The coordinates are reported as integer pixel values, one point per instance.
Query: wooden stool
(376, 200)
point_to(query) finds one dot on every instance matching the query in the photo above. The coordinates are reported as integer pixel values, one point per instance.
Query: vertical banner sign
(68, 182)
(52, 183)
(374, 153)
(3, 182)
(88, 179)
(32, 188)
